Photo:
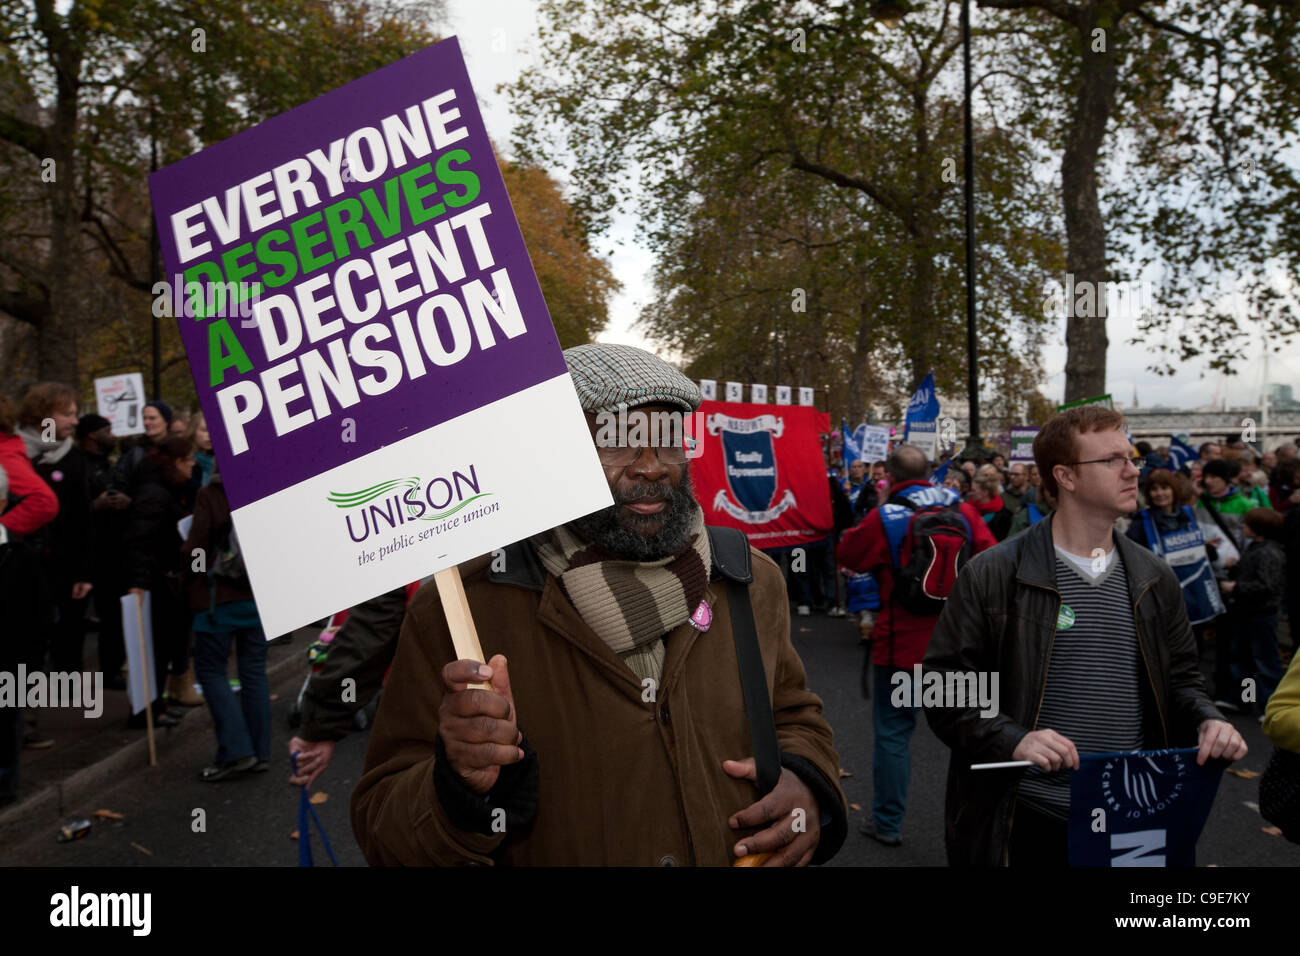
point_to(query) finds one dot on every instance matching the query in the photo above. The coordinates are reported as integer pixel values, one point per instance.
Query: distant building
(1281, 398)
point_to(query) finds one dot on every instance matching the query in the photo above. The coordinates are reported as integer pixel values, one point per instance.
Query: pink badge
(703, 617)
(56, 475)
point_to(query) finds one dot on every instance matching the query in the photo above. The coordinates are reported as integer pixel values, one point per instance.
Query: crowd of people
(1235, 497)
(1227, 522)
(86, 519)
(948, 566)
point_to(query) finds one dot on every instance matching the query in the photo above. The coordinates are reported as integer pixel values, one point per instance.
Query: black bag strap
(1208, 503)
(730, 549)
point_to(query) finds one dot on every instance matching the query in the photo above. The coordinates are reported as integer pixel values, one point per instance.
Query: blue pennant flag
(924, 404)
(1144, 808)
(1180, 453)
(852, 450)
(940, 474)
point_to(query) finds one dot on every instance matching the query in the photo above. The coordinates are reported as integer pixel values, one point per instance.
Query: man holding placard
(610, 724)
(1089, 637)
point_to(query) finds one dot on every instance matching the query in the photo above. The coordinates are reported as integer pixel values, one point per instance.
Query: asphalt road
(248, 820)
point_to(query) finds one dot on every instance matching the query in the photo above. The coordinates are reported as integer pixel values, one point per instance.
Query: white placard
(758, 394)
(735, 392)
(875, 443)
(323, 544)
(120, 399)
(806, 395)
(783, 394)
(708, 389)
(925, 436)
(141, 687)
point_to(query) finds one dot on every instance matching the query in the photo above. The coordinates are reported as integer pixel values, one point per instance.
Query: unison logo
(398, 501)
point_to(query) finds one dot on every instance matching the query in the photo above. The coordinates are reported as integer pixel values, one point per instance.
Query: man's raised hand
(478, 726)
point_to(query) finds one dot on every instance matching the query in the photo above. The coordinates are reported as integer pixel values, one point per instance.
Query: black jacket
(1260, 577)
(66, 541)
(362, 650)
(151, 544)
(1001, 618)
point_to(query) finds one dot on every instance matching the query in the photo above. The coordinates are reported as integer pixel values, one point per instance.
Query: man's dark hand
(792, 810)
(478, 726)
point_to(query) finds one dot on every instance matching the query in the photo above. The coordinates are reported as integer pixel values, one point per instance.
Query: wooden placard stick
(145, 677)
(464, 636)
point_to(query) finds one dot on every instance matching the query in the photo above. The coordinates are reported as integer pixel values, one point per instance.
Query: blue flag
(1145, 808)
(924, 404)
(852, 450)
(940, 474)
(1180, 453)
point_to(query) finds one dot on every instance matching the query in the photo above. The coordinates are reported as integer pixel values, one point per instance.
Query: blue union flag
(1144, 808)
(751, 467)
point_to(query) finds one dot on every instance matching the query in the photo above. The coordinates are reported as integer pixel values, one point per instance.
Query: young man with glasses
(1090, 638)
(611, 727)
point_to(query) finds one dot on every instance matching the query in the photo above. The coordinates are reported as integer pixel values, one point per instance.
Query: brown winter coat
(623, 780)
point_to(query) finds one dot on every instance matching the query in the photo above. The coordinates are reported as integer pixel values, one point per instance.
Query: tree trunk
(922, 327)
(1085, 335)
(858, 385)
(56, 348)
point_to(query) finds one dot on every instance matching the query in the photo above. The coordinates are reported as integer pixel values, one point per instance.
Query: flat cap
(607, 376)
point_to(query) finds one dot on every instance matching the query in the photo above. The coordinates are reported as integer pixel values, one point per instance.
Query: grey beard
(619, 534)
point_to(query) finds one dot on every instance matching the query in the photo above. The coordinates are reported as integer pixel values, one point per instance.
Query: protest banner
(925, 436)
(1022, 443)
(120, 399)
(369, 342)
(761, 470)
(875, 442)
(1144, 808)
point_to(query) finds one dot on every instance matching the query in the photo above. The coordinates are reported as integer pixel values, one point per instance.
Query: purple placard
(1022, 442)
(419, 95)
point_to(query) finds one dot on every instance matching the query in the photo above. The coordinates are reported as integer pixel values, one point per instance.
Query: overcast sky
(498, 37)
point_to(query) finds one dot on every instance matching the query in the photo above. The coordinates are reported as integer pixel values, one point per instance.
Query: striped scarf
(629, 604)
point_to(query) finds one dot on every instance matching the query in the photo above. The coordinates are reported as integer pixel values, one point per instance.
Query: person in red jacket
(33, 503)
(900, 638)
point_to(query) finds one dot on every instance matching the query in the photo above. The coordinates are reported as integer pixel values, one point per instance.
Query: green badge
(1065, 620)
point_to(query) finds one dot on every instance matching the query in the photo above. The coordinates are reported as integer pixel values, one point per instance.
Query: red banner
(761, 470)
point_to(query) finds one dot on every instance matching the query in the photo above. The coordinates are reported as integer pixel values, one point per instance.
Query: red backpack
(929, 547)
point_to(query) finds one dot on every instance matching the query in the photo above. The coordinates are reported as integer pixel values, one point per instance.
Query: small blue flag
(1144, 808)
(924, 404)
(1180, 453)
(940, 474)
(852, 450)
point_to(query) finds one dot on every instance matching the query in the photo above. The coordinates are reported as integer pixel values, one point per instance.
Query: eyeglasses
(620, 456)
(1114, 462)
